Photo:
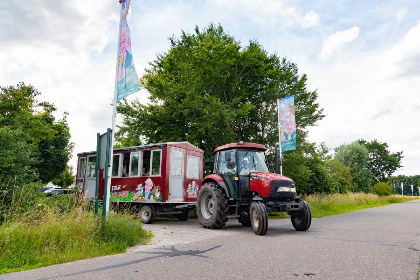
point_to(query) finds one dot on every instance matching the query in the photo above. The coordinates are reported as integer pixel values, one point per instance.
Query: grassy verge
(63, 237)
(325, 205)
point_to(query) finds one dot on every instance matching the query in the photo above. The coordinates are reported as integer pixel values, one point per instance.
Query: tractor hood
(269, 177)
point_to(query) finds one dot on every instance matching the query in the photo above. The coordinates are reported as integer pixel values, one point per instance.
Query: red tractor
(242, 186)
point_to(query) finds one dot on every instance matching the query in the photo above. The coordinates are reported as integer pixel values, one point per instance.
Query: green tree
(341, 176)
(66, 178)
(382, 163)
(54, 152)
(27, 126)
(355, 156)
(208, 90)
(382, 189)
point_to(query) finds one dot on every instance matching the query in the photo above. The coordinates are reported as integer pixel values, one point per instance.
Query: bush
(382, 189)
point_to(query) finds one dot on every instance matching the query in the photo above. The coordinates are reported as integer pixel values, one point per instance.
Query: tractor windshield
(251, 161)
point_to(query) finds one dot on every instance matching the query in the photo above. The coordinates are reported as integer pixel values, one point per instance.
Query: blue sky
(363, 58)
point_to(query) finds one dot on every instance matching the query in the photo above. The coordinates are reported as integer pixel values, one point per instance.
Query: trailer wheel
(245, 219)
(183, 216)
(258, 217)
(302, 220)
(147, 214)
(212, 206)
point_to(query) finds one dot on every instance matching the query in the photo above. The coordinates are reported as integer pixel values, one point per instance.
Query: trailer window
(146, 163)
(134, 164)
(82, 166)
(156, 157)
(115, 165)
(193, 166)
(125, 165)
(91, 172)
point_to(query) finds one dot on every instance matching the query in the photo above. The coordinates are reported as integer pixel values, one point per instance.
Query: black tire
(183, 216)
(212, 206)
(245, 219)
(258, 217)
(302, 220)
(147, 214)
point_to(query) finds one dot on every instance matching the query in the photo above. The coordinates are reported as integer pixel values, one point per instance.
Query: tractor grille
(281, 196)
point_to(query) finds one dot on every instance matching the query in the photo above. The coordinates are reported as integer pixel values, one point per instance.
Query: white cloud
(401, 13)
(404, 58)
(337, 40)
(373, 95)
(310, 19)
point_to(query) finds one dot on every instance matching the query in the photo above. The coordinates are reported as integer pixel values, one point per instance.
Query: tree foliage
(208, 90)
(342, 178)
(31, 141)
(382, 163)
(355, 156)
(382, 189)
(66, 178)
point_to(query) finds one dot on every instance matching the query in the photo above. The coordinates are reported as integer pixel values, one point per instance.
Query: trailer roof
(241, 145)
(144, 147)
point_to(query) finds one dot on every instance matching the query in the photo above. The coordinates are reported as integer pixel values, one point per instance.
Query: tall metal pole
(280, 151)
(98, 149)
(107, 177)
(114, 114)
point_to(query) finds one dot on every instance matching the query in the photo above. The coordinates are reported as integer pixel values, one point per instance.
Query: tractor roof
(241, 145)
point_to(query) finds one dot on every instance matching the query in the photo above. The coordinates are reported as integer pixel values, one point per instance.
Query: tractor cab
(235, 163)
(241, 186)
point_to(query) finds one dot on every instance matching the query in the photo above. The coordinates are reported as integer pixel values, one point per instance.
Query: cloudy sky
(363, 58)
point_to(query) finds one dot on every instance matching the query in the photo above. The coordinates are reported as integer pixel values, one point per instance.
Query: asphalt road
(377, 243)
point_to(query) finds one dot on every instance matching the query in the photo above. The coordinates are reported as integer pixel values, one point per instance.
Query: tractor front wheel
(302, 220)
(258, 215)
(212, 206)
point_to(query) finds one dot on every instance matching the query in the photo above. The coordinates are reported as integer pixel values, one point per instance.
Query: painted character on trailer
(157, 194)
(139, 194)
(148, 190)
(192, 190)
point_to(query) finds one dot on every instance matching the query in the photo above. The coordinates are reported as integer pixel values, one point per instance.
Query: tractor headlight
(286, 189)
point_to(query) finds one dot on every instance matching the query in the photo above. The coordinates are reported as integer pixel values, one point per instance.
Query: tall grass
(37, 230)
(331, 204)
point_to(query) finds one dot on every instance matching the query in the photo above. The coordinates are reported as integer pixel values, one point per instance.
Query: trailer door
(176, 175)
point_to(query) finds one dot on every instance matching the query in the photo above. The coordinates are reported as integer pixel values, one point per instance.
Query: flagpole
(114, 115)
(280, 151)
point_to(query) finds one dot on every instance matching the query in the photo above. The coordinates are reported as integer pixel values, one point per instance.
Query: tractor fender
(257, 198)
(216, 179)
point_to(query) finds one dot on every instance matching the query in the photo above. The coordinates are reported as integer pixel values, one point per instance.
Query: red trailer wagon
(158, 178)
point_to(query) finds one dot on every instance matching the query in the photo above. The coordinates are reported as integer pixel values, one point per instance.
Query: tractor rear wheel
(147, 214)
(302, 220)
(244, 219)
(258, 215)
(212, 206)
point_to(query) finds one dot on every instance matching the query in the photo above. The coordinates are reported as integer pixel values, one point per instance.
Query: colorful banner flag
(287, 124)
(127, 80)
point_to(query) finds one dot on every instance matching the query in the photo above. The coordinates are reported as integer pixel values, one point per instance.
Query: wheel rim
(145, 213)
(207, 207)
(255, 218)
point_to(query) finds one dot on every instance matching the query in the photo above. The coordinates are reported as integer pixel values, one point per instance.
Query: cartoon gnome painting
(148, 192)
(192, 190)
